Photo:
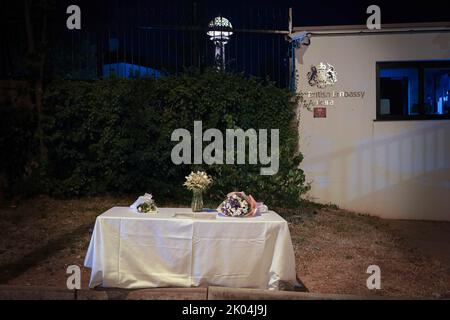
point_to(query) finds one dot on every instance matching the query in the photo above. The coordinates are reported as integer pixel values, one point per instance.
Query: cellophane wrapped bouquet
(145, 204)
(238, 204)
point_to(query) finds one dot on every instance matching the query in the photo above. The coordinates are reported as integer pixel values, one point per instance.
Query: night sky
(343, 12)
(327, 12)
(316, 12)
(307, 13)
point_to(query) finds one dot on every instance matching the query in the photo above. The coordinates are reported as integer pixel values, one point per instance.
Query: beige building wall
(391, 169)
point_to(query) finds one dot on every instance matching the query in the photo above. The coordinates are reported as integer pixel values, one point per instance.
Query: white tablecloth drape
(131, 250)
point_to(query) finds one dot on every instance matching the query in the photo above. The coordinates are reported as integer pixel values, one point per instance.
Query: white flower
(197, 180)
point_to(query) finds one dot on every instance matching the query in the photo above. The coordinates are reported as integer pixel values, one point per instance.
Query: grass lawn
(42, 236)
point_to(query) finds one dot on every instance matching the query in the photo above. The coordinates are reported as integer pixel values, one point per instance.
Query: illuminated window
(413, 90)
(437, 91)
(399, 91)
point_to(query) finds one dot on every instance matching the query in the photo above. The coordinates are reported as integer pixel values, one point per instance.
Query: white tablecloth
(131, 250)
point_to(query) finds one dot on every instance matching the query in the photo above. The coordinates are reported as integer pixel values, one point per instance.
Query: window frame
(420, 66)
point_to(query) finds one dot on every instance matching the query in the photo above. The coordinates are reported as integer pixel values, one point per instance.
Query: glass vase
(197, 200)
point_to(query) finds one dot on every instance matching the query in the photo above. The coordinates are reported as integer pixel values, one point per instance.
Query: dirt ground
(333, 248)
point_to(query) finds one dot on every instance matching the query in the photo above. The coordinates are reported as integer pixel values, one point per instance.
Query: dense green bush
(113, 136)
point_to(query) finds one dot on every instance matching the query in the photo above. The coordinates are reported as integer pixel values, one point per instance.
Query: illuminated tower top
(220, 30)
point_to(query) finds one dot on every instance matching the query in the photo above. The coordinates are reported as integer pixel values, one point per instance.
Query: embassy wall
(392, 169)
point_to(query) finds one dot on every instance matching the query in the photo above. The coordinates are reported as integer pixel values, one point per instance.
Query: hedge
(113, 136)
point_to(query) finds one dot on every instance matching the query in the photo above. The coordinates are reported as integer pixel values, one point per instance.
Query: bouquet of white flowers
(197, 181)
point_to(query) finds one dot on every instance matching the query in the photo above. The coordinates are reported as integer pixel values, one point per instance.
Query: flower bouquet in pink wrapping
(238, 204)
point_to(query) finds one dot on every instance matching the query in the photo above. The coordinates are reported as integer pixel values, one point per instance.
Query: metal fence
(136, 38)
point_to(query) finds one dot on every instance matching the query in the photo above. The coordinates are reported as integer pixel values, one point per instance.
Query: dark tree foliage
(18, 147)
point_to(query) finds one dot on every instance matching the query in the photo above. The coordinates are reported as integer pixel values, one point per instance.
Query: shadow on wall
(399, 176)
(300, 54)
